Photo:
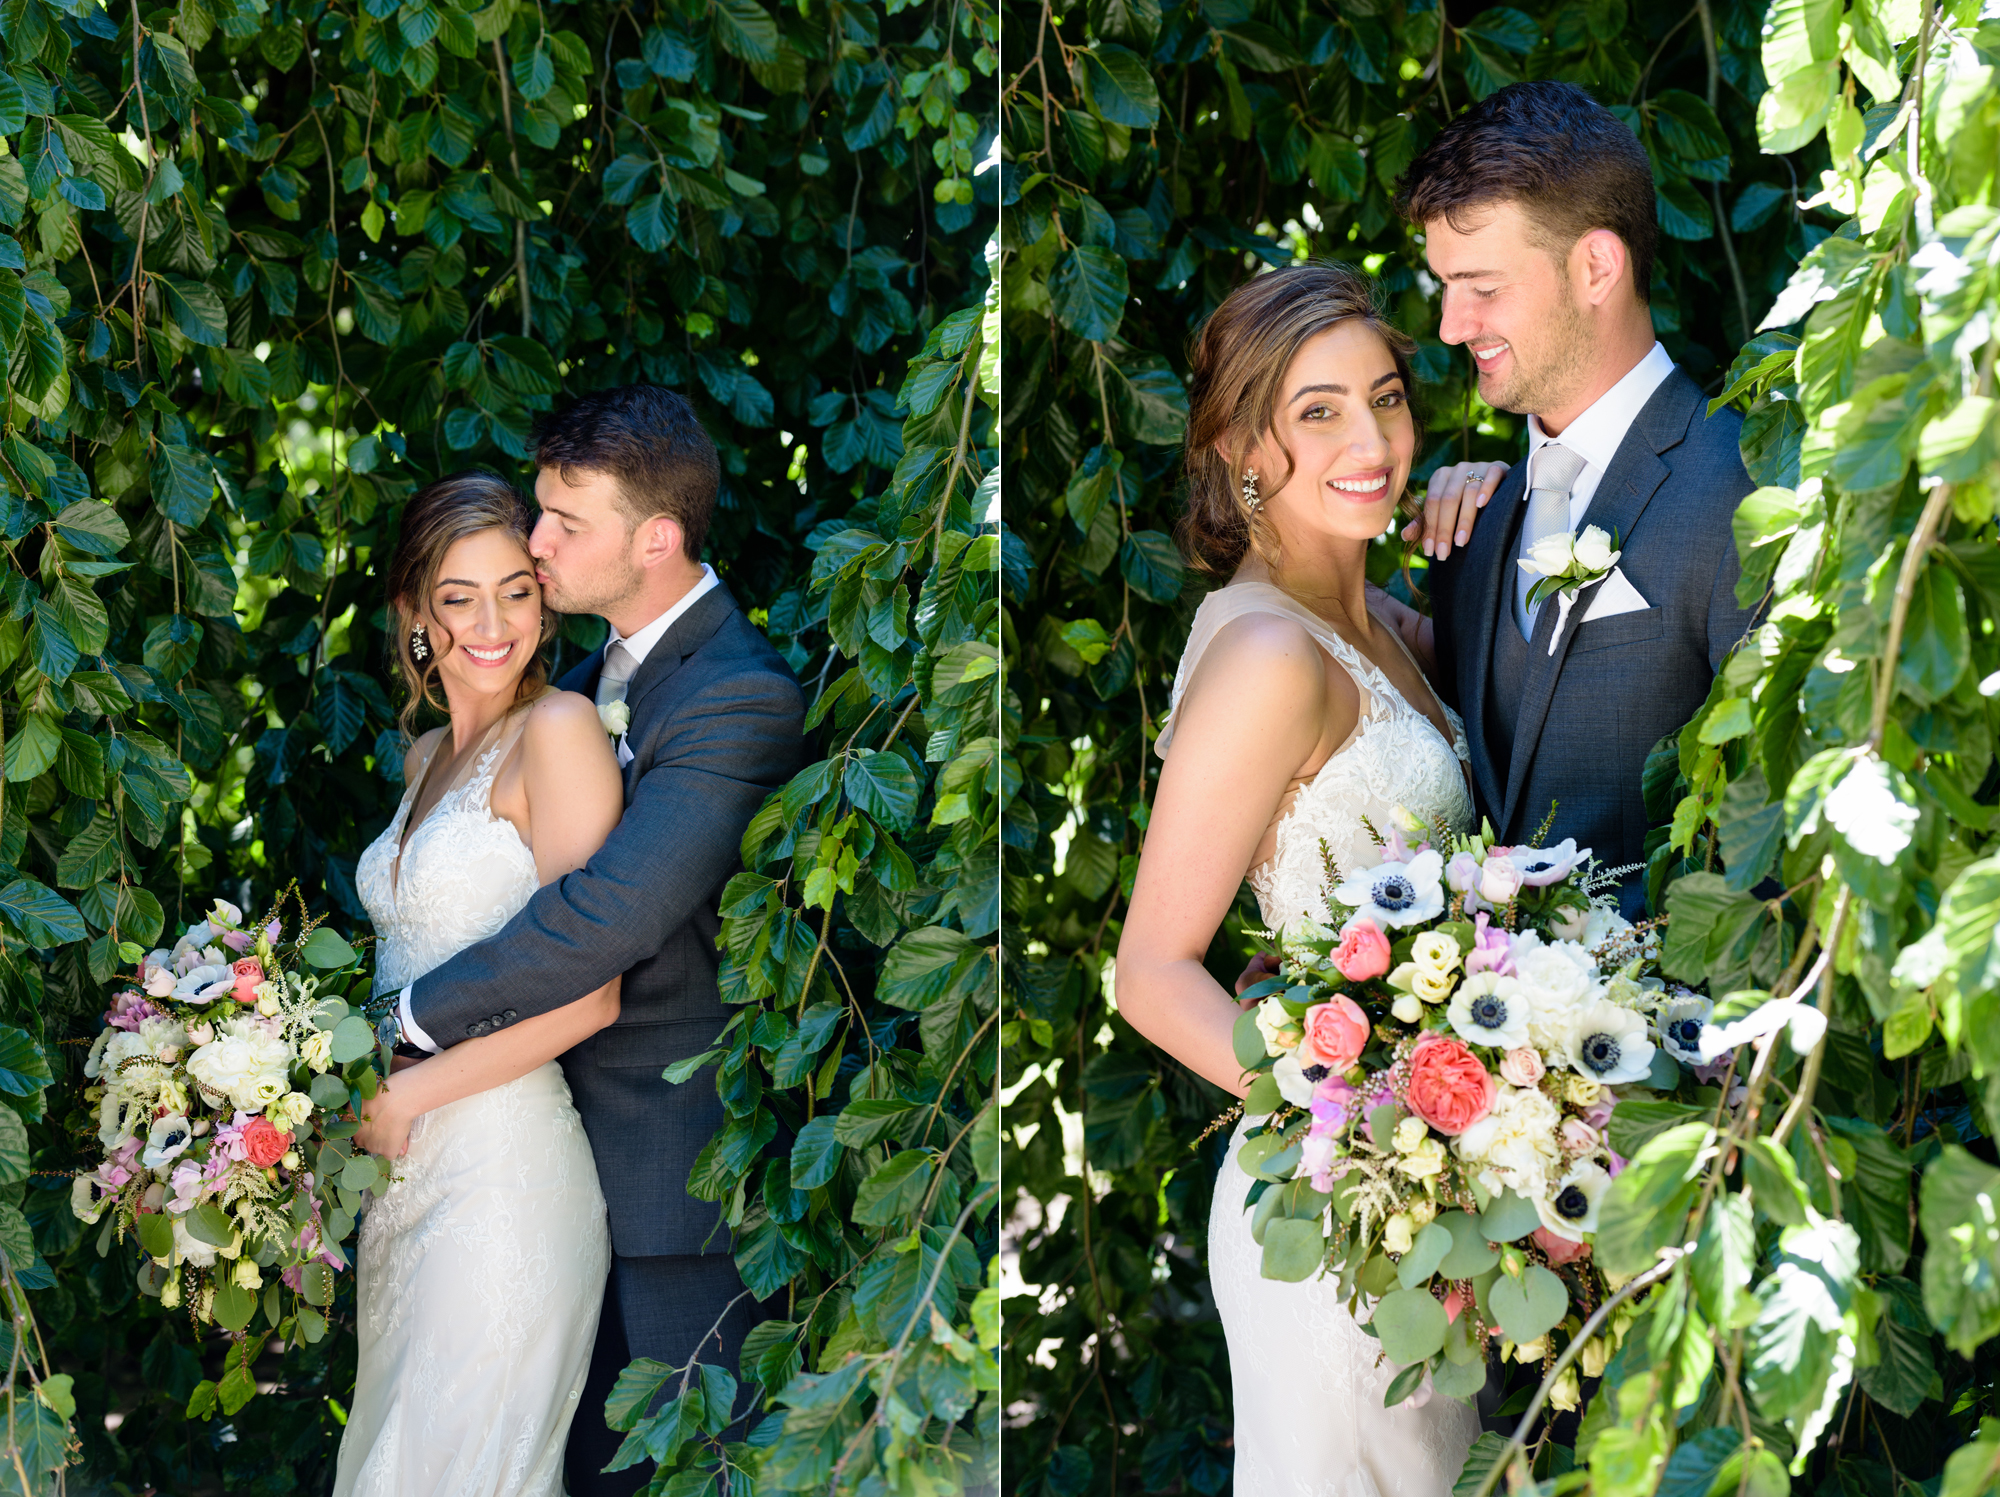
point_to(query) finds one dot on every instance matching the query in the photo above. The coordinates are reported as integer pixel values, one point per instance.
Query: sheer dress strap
(1227, 604)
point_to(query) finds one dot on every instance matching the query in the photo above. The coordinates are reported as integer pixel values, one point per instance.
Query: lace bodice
(1395, 757)
(464, 874)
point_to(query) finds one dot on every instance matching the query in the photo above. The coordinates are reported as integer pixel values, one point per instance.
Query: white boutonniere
(616, 717)
(1564, 565)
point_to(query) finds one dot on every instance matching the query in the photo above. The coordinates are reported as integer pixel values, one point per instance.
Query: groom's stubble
(1547, 375)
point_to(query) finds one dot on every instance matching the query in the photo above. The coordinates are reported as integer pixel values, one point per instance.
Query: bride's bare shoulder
(1263, 658)
(563, 721)
(1266, 670)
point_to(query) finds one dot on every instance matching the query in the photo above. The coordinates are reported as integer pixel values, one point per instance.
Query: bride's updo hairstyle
(1240, 359)
(437, 517)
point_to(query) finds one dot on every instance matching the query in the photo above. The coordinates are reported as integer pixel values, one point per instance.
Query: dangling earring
(420, 645)
(1250, 500)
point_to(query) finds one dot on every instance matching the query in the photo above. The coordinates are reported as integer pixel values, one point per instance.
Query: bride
(481, 1272)
(1296, 713)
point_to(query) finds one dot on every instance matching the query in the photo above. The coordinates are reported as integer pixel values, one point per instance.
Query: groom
(627, 487)
(1537, 208)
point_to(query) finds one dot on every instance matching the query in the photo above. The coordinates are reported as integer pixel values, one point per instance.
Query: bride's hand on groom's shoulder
(1453, 499)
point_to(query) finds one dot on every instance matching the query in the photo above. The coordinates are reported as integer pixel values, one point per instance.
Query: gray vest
(1510, 676)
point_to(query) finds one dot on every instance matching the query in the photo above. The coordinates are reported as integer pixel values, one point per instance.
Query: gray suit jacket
(716, 726)
(1592, 711)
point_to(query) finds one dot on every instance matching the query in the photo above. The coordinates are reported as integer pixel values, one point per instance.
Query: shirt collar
(1595, 435)
(640, 645)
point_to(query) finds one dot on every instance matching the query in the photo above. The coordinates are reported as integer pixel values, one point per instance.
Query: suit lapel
(1628, 485)
(1487, 570)
(687, 634)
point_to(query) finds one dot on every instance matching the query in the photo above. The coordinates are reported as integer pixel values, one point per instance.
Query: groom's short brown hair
(1571, 164)
(649, 441)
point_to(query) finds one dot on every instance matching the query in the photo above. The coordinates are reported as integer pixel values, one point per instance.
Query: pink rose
(1363, 953)
(1499, 880)
(1336, 1032)
(1560, 1249)
(1522, 1066)
(1579, 1136)
(249, 973)
(263, 1144)
(1448, 1087)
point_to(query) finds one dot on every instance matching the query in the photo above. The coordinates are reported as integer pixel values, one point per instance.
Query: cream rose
(1435, 950)
(1594, 554)
(1398, 1234)
(1281, 1031)
(1425, 1162)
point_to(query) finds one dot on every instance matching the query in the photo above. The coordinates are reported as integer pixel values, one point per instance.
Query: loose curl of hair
(1239, 362)
(437, 517)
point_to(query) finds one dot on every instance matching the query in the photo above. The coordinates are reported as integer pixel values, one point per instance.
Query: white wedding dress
(481, 1272)
(1307, 1390)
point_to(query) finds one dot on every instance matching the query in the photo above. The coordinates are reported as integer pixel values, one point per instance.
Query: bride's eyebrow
(1339, 389)
(463, 582)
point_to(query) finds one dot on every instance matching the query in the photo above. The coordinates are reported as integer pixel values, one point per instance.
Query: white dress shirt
(1597, 434)
(640, 644)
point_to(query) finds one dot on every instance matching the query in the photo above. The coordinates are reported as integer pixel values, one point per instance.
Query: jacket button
(496, 1021)
(507, 1013)
(475, 1030)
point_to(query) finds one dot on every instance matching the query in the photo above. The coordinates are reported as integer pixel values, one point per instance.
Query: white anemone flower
(1570, 1210)
(169, 1138)
(205, 984)
(1541, 866)
(1489, 1009)
(1681, 1027)
(1397, 893)
(1291, 1079)
(1608, 1044)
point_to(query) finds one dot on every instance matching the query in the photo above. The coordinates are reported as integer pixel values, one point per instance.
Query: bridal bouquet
(224, 1082)
(1434, 1079)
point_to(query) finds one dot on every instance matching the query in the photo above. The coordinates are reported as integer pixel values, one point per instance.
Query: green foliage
(1809, 1320)
(269, 267)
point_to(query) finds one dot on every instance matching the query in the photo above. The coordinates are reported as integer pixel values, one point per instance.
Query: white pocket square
(1613, 596)
(626, 756)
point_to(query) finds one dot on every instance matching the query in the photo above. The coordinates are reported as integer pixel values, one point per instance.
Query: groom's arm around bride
(712, 724)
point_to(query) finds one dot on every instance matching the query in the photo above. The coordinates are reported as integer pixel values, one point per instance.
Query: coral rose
(1449, 1088)
(249, 972)
(1560, 1249)
(263, 1144)
(1363, 953)
(1336, 1034)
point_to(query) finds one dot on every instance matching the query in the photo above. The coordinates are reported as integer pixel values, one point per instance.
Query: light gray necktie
(615, 674)
(1556, 468)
